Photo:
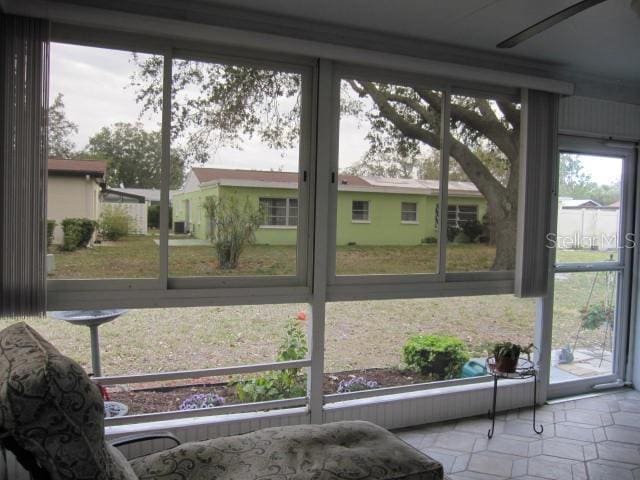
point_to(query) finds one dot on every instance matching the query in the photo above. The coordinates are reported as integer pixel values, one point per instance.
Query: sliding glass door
(593, 251)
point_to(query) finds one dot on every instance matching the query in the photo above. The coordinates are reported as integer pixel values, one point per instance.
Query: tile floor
(595, 438)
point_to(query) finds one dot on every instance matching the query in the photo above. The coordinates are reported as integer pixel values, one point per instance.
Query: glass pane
(104, 166)
(190, 338)
(380, 170)
(239, 127)
(584, 317)
(588, 209)
(366, 341)
(483, 184)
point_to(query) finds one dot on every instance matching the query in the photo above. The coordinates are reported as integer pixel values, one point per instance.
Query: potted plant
(506, 355)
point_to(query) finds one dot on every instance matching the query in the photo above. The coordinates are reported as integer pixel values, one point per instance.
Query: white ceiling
(603, 40)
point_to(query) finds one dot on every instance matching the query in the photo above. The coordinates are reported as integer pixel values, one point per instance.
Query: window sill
(360, 221)
(409, 223)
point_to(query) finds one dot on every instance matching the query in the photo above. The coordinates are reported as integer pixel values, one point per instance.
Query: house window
(280, 212)
(458, 215)
(409, 212)
(360, 211)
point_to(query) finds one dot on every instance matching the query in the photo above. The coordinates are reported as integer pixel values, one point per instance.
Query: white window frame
(367, 211)
(288, 217)
(389, 286)
(163, 290)
(626, 296)
(414, 212)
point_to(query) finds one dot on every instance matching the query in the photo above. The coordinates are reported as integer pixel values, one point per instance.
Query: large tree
(60, 130)
(225, 103)
(134, 156)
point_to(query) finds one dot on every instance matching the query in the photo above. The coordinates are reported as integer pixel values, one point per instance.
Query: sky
(97, 93)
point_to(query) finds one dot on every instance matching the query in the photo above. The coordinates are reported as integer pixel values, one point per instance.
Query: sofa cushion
(341, 450)
(50, 408)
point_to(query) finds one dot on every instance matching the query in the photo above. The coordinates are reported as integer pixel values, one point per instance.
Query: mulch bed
(166, 399)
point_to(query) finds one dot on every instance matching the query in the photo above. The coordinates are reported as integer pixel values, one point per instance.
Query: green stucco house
(371, 210)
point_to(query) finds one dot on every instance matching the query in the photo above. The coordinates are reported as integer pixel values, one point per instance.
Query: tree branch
(493, 129)
(473, 167)
(511, 114)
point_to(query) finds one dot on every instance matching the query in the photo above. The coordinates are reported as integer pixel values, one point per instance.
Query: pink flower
(302, 316)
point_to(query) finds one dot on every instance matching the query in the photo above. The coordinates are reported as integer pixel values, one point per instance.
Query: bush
(77, 233)
(472, 229)
(153, 216)
(429, 240)
(283, 383)
(233, 226)
(452, 233)
(201, 400)
(51, 226)
(115, 223)
(437, 355)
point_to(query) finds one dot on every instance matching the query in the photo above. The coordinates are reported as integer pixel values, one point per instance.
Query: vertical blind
(538, 152)
(24, 72)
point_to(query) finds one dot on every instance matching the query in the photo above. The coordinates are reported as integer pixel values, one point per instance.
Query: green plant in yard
(115, 223)
(429, 240)
(279, 384)
(51, 226)
(472, 229)
(233, 224)
(438, 355)
(77, 233)
(596, 315)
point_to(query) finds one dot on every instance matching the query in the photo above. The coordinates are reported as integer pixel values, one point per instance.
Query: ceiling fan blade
(548, 23)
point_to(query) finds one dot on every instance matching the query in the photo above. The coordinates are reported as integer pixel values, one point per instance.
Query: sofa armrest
(144, 437)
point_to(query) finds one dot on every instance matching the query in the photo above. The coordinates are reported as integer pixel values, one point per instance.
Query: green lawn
(138, 257)
(358, 334)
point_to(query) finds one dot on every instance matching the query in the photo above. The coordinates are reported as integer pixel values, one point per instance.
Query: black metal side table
(525, 369)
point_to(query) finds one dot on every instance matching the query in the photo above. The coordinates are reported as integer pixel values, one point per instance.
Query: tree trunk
(505, 228)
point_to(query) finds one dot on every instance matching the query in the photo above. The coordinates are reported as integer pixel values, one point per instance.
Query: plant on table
(438, 355)
(507, 354)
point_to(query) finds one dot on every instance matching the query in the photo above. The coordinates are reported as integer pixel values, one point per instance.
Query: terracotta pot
(506, 365)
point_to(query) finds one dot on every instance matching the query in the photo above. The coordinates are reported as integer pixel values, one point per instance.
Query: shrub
(437, 355)
(452, 233)
(356, 384)
(51, 226)
(429, 240)
(280, 384)
(473, 229)
(115, 223)
(596, 315)
(153, 216)
(233, 226)
(201, 400)
(77, 233)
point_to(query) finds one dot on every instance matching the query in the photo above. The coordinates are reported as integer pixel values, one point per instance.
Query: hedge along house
(73, 190)
(365, 204)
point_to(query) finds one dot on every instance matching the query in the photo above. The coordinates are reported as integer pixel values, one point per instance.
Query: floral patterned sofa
(51, 418)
